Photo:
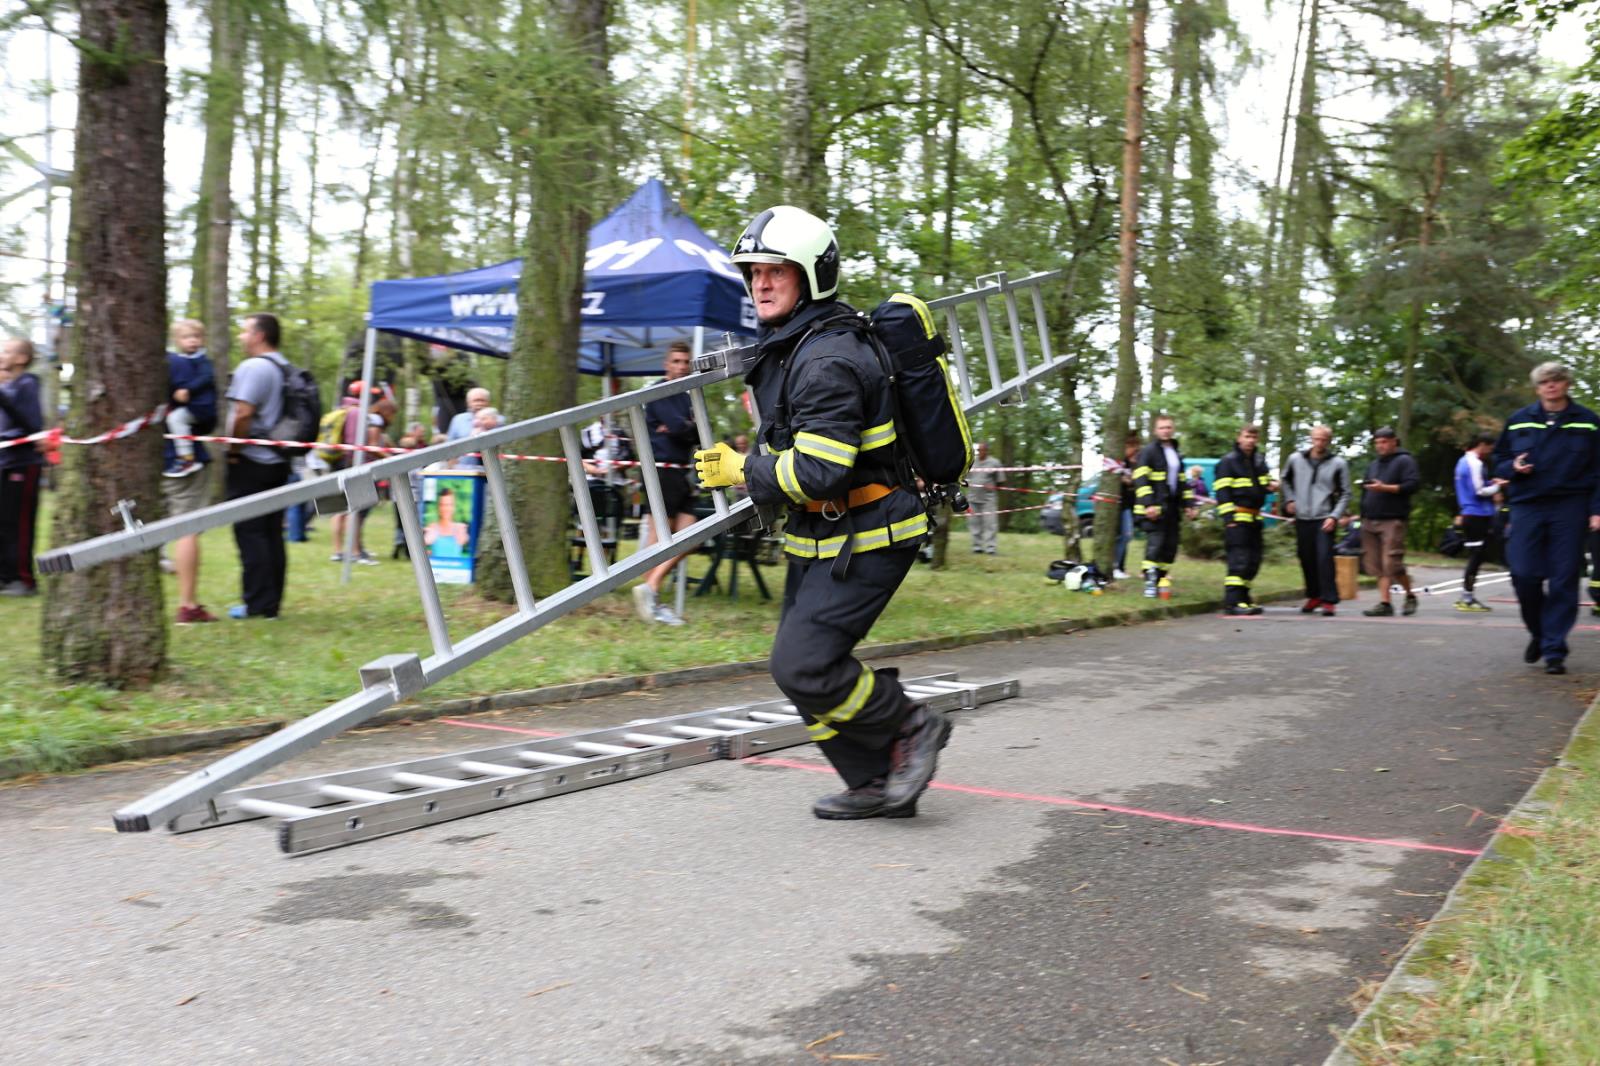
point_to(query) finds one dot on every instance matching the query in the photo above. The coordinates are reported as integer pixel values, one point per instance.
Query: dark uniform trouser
(1476, 532)
(263, 562)
(1315, 549)
(19, 507)
(852, 711)
(1243, 543)
(1594, 566)
(1161, 539)
(1545, 545)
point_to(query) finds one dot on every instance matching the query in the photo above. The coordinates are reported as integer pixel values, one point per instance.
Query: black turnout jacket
(827, 427)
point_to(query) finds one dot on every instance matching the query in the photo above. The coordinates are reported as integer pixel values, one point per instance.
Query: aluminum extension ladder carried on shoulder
(392, 678)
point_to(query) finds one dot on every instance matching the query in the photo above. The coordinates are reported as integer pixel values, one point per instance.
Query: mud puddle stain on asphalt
(363, 897)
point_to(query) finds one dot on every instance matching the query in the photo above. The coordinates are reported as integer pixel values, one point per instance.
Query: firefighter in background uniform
(829, 453)
(1161, 497)
(1242, 486)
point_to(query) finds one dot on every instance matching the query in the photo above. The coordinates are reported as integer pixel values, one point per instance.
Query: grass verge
(234, 673)
(1512, 973)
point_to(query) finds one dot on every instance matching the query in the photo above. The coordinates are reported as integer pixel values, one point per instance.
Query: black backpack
(927, 412)
(302, 406)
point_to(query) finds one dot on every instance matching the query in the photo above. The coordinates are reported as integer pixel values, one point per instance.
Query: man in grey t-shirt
(255, 403)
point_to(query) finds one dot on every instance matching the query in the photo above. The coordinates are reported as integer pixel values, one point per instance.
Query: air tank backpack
(927, 413)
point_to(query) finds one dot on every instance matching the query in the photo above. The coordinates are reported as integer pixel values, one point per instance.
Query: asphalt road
(702, 916)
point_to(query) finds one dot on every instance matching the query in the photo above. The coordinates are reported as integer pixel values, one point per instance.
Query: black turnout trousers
(1243, 543)
(1161, 536)
(852, 711)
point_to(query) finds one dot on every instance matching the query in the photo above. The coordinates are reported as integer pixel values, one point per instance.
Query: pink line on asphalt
(501, 728)
(1060, 801)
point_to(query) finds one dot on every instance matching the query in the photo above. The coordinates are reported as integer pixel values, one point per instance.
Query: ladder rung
(493, 768)
(275, 810)
(646, 738)
(548, 758)
(734, 723)
(357, 795)
(698, 731)
(405, 777)
(769, 716)
(602, 749)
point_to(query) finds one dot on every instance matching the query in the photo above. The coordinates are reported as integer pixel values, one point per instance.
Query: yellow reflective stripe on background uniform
(825, 448)
(819, 732)
(866, 684)
(1144, 490)
(1225, 508)
(1527, 425)
(1236, 582)
(861, 541)
(1243, 517)
(1141, 471)
(878, 436)
(1580, 425)
(784, 469)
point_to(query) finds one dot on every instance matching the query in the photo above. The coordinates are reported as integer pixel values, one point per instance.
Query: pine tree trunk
(1166, 240)
(569, 160)
(1432, 190)
(1284, 358)
(1115, 428)
(106, 624)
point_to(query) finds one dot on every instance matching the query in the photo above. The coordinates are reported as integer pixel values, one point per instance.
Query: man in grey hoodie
(1316, 491)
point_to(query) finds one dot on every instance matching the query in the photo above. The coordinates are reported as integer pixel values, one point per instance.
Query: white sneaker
(667, 616)
(1119, 575)
(644, 603)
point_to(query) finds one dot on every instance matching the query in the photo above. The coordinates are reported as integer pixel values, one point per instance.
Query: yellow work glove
(720, 467)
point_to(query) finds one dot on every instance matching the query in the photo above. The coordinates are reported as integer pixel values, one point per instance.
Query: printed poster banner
(452, 518)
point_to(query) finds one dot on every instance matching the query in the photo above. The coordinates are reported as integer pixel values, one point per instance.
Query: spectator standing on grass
(256, 401)
(1549, 455)
(372, 436)
(983, 481)
(1316, 491)
(1390, 481)
(20, 416)
(461, 425)
(672, 440)
(1475, 504)
(194, 411)
(1125, 511)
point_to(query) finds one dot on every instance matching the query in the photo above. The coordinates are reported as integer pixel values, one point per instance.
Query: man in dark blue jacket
(1549, 455)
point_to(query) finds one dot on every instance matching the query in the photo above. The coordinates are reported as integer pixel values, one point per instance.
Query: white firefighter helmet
(787, 234)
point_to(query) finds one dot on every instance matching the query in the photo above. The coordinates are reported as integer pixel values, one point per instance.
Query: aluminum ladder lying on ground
(332, 810)
(392, 678)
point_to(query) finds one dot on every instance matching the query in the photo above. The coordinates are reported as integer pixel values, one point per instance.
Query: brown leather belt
(858, 497)
(1248, 510)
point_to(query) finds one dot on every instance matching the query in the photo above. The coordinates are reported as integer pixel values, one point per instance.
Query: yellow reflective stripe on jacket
(825, 448)
(1225, 508)
(1236, 582)
(1526, 425)
(787, 481)
(819, 732)
(1141, 471)
(1579, 425)
(878, 436)
(861, 541)
(865, 684)
(1144, 490)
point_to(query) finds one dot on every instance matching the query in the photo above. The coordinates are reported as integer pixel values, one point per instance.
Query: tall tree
(214, 209)
(567, 140)
(1115, 427)
(106, 624)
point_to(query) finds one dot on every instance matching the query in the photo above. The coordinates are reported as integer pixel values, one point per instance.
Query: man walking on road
(1242, 486)
(829, 453)
(1549, 455)
(982, 522)
(1475, 496)
(1316, 491)
(1390, 482)
(256, 398)
(1162, 497)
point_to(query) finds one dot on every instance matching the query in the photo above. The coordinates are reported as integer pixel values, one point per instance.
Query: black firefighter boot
(914, 755)
(864, 802)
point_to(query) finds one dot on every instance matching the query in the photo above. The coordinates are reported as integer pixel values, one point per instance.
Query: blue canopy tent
(652, 277)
